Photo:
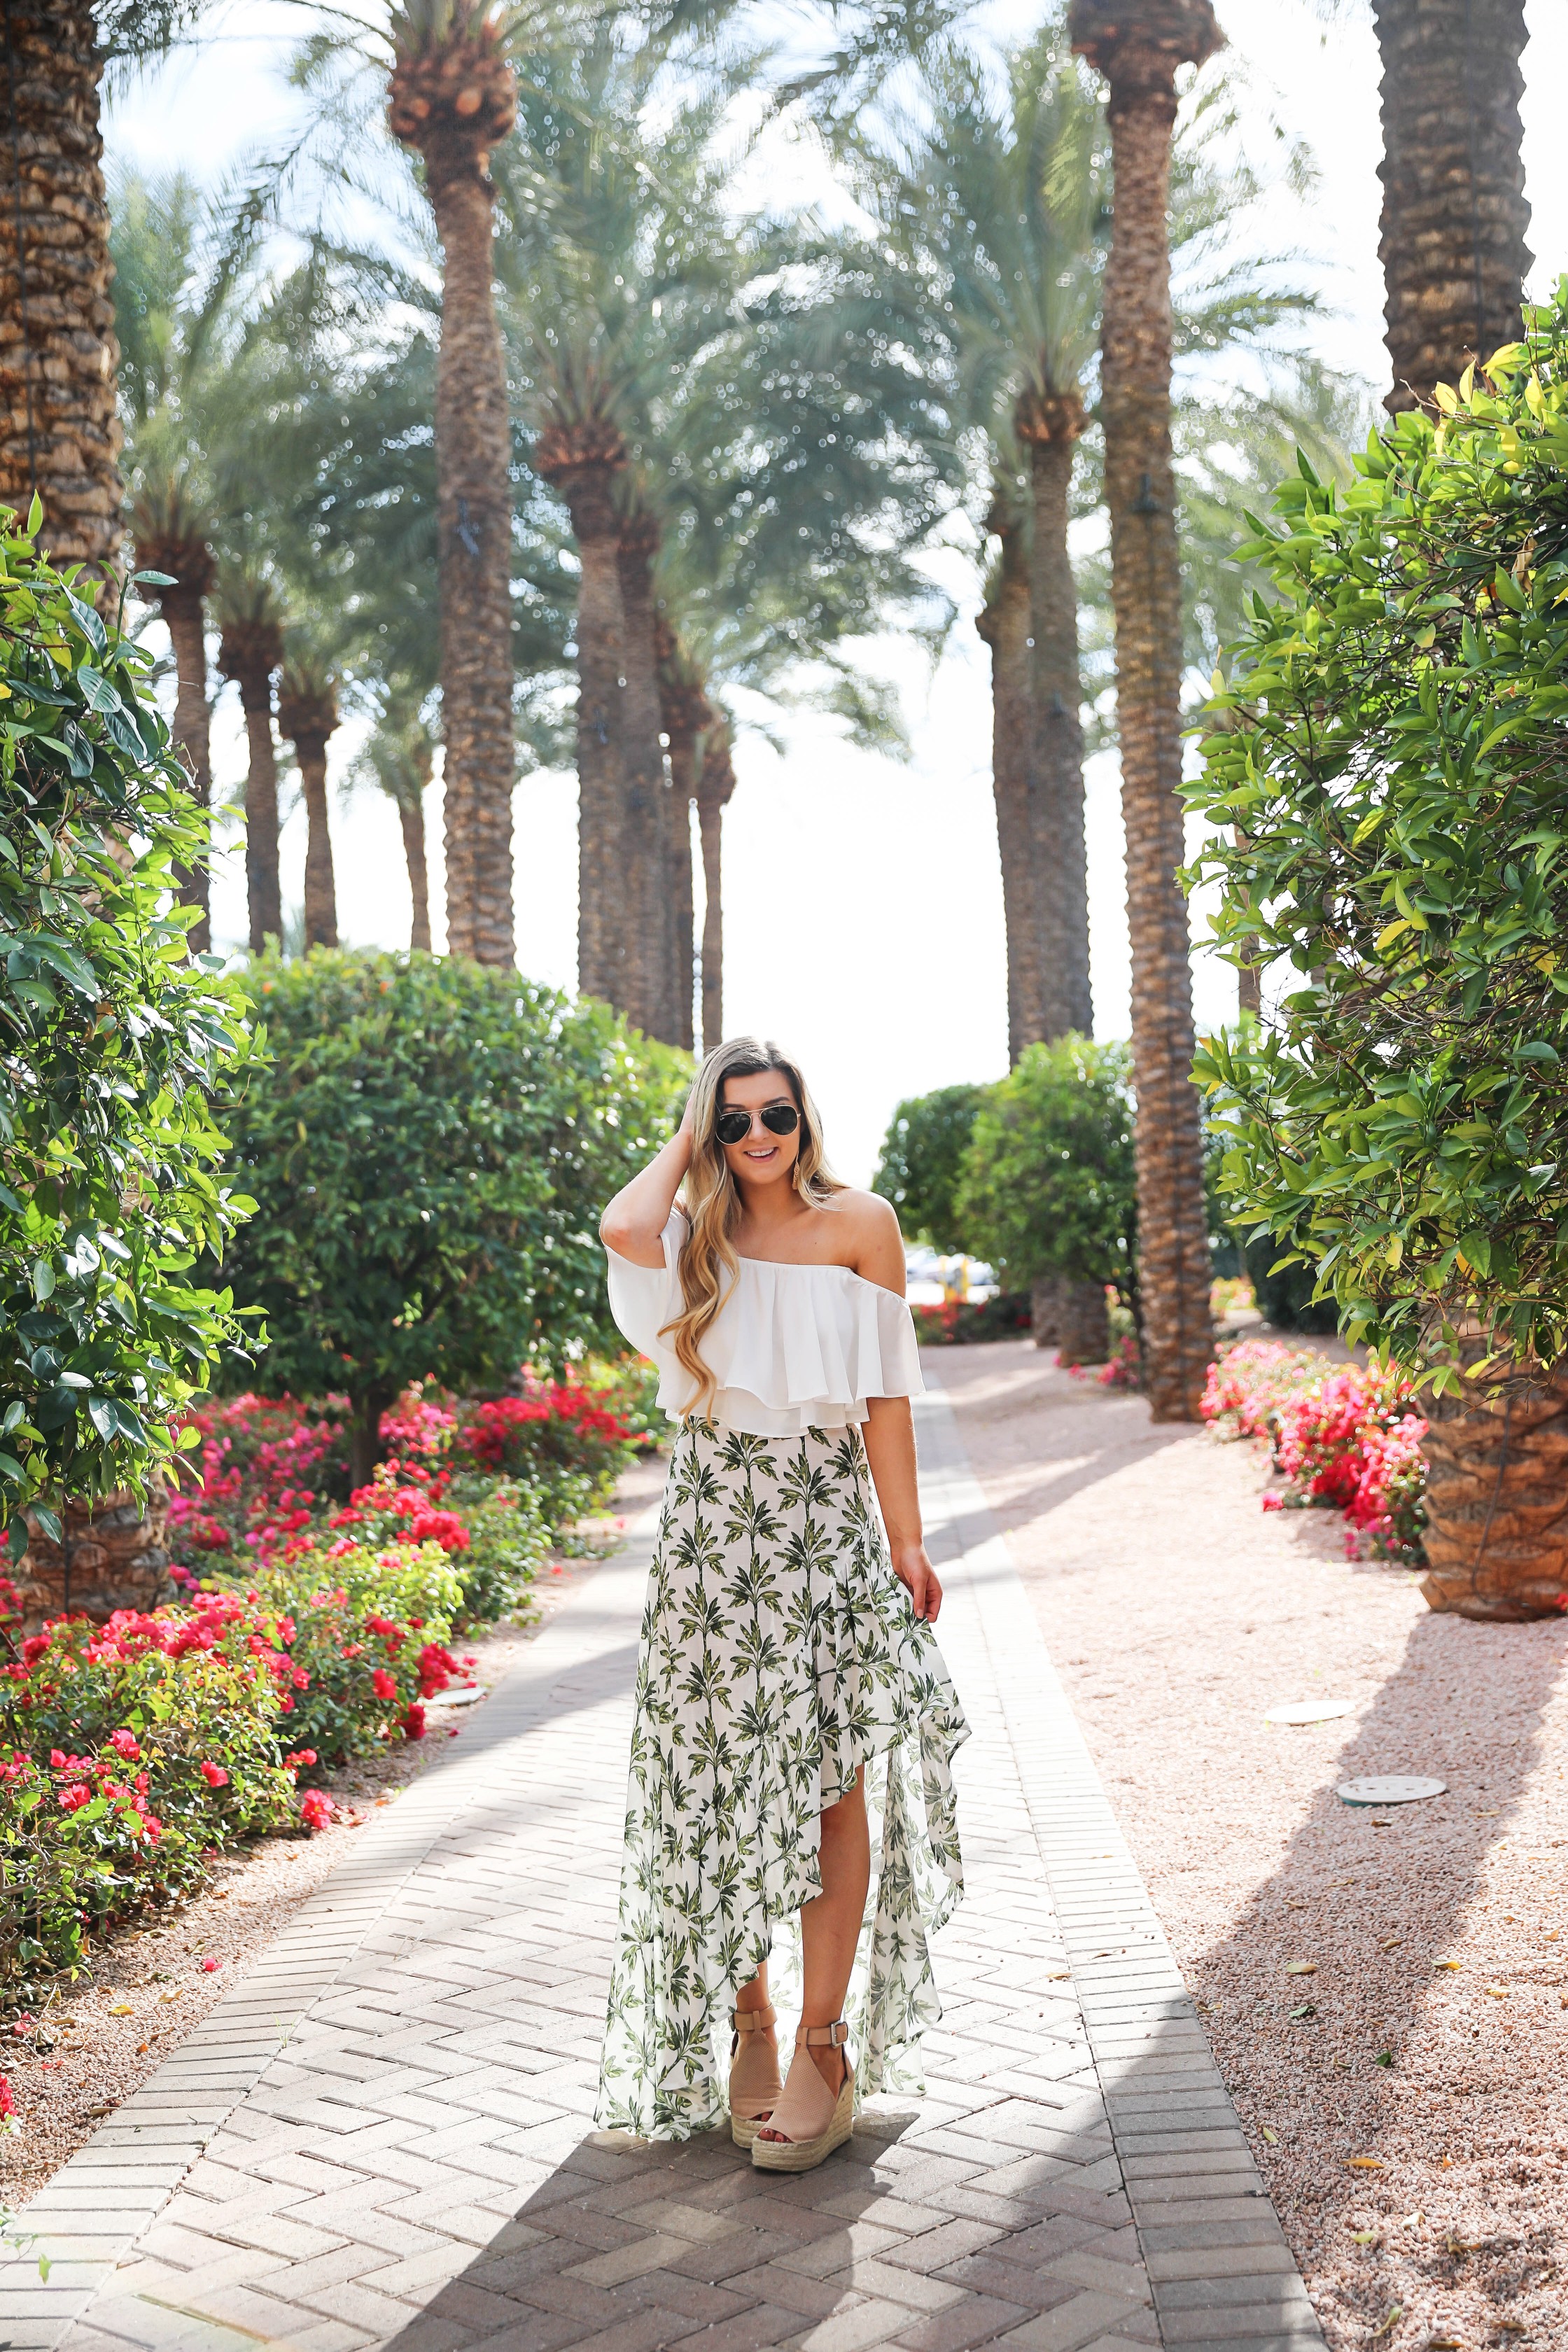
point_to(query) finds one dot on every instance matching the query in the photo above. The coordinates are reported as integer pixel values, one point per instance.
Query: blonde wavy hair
(712, 1199)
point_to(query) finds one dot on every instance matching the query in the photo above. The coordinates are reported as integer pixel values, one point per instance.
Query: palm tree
(581, 455)
(399, 758)
(1003, 624)
(715, 786)
(1454, 212)
(204, 366)
(249, 615)
(649, 827)
(452, 97)
(307, 717)
(616, 283)
(171, 525)
(1138, 46)
(59, 435)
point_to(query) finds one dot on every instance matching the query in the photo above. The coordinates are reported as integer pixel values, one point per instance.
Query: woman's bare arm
(633, 1225)
(890, 1437)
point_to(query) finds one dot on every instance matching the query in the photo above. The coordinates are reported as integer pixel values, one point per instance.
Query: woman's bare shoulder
(872, 1243)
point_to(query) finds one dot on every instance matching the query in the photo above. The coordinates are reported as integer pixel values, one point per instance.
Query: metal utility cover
(1390, 1789)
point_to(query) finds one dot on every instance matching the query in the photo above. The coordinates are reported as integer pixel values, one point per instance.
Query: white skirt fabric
(779, 1655)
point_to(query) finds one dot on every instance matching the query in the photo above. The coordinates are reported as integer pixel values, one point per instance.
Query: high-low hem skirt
(779, 1655)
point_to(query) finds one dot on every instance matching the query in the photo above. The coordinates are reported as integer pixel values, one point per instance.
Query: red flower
(8, 2104)
(208, 1966)
(73, 1798)
(301, 1755)
(414, 1722)
(124, 1744)
(382, 1684)
(215, 1776)
(316, 1808)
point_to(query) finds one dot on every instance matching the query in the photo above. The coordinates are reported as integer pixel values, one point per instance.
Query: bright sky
(863, 898)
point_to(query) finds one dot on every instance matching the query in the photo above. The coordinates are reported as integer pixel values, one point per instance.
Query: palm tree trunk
(647, 812)
(682, 792)
(1496, 1537)
(606, 907)
(411, 817)
(59, 434)
(321, 888)
(715, 784)
(1004, 625)
(1058, 692)
(264, 890)
(473, 492)
(1454, 212)
(1138, 47)
(185, 617)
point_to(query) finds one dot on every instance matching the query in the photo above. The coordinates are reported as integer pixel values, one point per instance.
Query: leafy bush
(367, 1633)
(1344, 1436)
(556, 1431)
(923, 1163)
(958, 1321)
(259, 1471)
(493, 1531)
(113, 1041)
(1383, 786)
(1248, 1385)
(127, 1752)
(1047, 1187)
(253, 1503)
(429, 1155)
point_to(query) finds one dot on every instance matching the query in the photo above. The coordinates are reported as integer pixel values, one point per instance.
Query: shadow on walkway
(661, 2241)
(1375, 1898)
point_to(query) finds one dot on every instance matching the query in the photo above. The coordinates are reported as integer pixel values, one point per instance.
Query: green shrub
(1384, 779)
(127, 1753)
(922, 1164)
(508, 1542)
(1047, 1187)
(112, 1041)
(429, 1155)
(367, 1633)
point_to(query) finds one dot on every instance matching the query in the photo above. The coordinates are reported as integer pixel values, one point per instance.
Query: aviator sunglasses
(735, 1125)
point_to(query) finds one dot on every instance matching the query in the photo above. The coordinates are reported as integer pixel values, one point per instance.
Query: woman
(792, 1710)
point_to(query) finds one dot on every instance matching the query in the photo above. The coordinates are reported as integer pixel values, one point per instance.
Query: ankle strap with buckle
(821, 2037)
(752, 2021)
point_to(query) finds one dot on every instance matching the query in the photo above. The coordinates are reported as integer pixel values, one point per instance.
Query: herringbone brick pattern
(383, 2136)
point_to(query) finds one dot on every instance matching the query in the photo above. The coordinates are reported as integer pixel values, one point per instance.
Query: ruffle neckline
(785, 1354)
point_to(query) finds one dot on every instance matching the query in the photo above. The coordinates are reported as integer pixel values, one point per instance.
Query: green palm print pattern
(779, 1654)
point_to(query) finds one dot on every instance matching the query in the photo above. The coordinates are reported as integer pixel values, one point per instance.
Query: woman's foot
(754, 2085)
(816, 2112)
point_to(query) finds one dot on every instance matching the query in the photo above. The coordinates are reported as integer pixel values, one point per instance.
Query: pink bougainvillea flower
(215, 1776)
(208, 1966)
(382, 1684)
(124, 1744)
(316, 1808)
(414, 1722)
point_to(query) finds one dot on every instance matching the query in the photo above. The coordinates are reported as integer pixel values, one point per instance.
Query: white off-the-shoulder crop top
(791, 1348)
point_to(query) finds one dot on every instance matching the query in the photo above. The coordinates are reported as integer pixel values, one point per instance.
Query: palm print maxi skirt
(779, 1654)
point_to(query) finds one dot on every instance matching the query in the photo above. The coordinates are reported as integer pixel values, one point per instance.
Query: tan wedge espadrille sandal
(754, 2086)
(814, 2123)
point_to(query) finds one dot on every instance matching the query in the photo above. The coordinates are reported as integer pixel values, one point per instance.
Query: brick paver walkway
(383, 2136)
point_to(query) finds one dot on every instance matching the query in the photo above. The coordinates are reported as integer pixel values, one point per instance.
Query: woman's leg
(830, 1925)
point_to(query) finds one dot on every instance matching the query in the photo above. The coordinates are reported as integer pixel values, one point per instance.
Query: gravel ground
(1402, 2090)
(97, 2038)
